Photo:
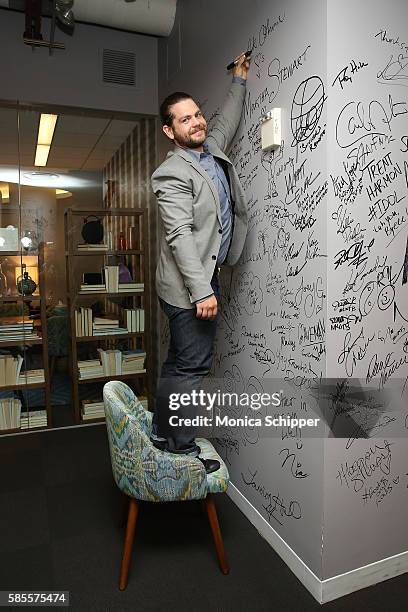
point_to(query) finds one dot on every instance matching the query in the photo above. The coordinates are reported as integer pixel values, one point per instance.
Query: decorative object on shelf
(121, 242)
(133, 237)
(25, 284)
(29, 241)
(92, 230)
(92, 278)
(124, 274)
(9, 238)
(3, 282)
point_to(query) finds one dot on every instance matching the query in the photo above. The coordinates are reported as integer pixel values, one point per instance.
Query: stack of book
(35, 418)
(111, 278)
(10, 409)
(83, 322)
(93, 247)
(90, 368)
(97, 288)
(10, 368)
(133, 361)
(102, 326)
(30, 377)
(111, 362)
(17, 329)
(134, 319)
(131, 287)
(92, 410)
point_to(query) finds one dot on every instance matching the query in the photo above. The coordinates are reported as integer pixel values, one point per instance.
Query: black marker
(232, 64)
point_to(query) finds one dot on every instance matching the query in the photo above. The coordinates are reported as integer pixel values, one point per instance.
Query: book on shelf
(29, 377)
(133, 361)
(10, 368)
(112, 362)
(90, 416)
(111, 283)
(103, 326)
(110, 331)
(10, 410)
(92, 247)
(130, 287)
(17, 328)
(92, 288)
(90, 368)
(24, 337)
(106, 322)
(92, 409)
(134, 318)
(83, 322)
(35, 418)
(111, 274)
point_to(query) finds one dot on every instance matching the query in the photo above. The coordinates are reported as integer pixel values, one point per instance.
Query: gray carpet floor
(59, 517)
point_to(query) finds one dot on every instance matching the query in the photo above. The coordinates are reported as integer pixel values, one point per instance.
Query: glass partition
(51, 162)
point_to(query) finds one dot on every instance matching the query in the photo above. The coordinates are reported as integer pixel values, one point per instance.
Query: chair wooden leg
(124, 511)
(215, 528)
(128, 545)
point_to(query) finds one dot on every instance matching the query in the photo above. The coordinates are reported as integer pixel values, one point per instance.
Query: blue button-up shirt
(216, 172)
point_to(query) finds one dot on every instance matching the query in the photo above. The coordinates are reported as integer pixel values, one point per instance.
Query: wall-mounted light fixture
(4, 193)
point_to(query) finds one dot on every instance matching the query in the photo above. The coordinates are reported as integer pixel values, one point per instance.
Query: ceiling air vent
(119, 67)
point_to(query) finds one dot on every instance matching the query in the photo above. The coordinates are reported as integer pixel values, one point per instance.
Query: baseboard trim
(322, 590)
(295, 563)
(365, 576)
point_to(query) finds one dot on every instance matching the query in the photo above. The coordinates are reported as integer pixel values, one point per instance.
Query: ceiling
(79, 143)
(154, 17)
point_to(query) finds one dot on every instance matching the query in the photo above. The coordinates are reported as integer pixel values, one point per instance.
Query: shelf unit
(26, 343)
(134, 299)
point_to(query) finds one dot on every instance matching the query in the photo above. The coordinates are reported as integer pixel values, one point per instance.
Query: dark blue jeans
(188, 361)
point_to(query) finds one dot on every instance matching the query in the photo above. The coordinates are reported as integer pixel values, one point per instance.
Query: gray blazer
(191, 216)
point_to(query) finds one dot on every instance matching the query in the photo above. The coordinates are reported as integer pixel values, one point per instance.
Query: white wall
(275, 324)
(367, 327)
(284, 258)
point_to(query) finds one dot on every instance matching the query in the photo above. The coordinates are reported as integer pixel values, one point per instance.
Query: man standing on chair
(204, 217)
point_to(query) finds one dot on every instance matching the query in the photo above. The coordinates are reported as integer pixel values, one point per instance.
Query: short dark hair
(166, 115)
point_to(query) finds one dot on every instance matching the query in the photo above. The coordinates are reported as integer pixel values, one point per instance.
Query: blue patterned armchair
(144, 473)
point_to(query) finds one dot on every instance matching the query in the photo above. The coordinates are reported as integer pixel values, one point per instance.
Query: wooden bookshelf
(112, 377)
(104, 252)
(40, 326)
(20, 298)
(134, 258)
(99, 337)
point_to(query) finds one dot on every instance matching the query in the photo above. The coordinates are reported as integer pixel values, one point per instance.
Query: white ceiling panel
(72, 152)
(79, 141)
(85, 125)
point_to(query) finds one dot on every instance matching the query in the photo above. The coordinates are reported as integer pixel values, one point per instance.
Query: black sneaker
(211, 465)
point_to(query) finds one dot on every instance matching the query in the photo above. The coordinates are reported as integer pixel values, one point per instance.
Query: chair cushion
(217, 482)
(144, 472)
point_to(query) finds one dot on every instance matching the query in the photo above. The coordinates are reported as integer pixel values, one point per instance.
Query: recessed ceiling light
(39, 176)
(46, 129)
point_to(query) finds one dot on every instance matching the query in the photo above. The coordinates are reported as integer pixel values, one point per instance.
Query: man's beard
(189, 141)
